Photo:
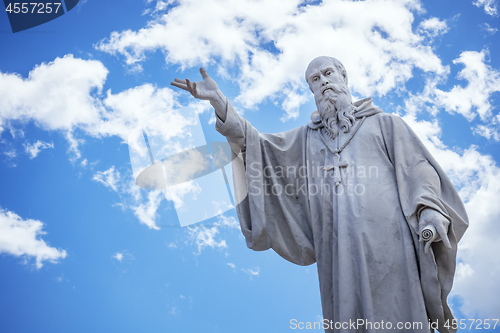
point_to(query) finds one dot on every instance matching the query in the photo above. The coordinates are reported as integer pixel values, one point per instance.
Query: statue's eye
(315, 78)
(328, 73)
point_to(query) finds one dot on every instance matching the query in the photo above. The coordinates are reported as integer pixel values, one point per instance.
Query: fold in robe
(363, 234)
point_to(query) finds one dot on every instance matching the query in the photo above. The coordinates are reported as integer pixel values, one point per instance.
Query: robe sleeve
(423, 185)
(274, 212)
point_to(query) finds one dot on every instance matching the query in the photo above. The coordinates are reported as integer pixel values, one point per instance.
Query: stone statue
(356, 192)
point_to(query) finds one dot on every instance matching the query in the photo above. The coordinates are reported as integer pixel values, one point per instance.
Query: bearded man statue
(361, 197)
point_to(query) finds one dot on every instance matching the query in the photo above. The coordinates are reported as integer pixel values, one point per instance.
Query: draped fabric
(363, 233)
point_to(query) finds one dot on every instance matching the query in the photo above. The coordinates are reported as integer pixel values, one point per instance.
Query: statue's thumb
(203, 73)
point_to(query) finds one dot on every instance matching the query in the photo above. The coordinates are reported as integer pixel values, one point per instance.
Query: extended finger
(203, 73)
(444, 237)
(189, 85)
(180, 80)
(446, 241)
(427, 246)
(179, 85)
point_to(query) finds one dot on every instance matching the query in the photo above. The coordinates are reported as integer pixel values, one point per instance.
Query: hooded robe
(364, 233)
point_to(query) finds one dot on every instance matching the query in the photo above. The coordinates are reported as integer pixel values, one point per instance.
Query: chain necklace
(337, 165)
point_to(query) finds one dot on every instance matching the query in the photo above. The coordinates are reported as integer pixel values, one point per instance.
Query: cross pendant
(336, 169)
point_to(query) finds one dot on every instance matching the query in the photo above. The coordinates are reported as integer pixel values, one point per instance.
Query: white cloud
(292, 103)
(122, 256)
(159, 7)
(374, 39)
(133, 107)
(490, 131)
(177, 193)
(207, 236)
(146, 211)
(60, 95)
(22, 238)
(471, 100)
(433, 27)
(480, 265)
(229, 222)
(474, 98)
(66, 95)
(490, 6)
(34, 149)
(108, 178)
(11, 154)
(57, 96)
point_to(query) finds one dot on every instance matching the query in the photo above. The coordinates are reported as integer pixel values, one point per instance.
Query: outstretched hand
(206, 89)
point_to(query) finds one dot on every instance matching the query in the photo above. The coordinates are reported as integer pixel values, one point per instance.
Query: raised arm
(206, 89)
(228, 122)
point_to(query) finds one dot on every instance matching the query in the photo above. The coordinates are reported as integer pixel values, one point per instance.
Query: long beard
(337, 115)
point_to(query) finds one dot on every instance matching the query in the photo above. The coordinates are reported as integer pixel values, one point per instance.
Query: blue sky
(82, 248)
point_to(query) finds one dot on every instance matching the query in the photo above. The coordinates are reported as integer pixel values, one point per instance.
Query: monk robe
(359, 222)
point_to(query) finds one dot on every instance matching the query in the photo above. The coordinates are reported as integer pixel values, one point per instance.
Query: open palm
(205, 89)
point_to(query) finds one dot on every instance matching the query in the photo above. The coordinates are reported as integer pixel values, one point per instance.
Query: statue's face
(324, 79)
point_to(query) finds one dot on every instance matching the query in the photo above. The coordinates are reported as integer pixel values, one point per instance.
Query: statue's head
(323, 62)
(327, 79)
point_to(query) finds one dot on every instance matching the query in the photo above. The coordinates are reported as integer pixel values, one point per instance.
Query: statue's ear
(344, 75)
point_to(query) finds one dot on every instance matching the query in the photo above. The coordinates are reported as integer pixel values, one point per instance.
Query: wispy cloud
(146, 211)
(490, 6)
(108, 178)
(22, 238)
(35, 148)
(252, 272)
(489, 29)
(209, 236)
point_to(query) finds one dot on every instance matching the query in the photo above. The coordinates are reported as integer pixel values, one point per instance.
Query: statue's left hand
(430, 217)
